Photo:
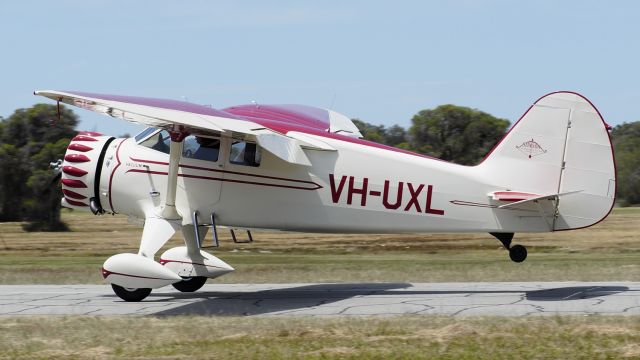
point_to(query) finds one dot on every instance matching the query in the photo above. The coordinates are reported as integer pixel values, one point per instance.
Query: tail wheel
(190, 284)
(130, 294)
(518, 253)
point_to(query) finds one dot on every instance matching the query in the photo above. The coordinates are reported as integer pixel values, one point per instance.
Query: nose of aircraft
(80, 168)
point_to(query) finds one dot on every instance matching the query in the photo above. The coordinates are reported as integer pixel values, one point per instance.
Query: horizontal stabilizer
(537, 198)
(512, 195)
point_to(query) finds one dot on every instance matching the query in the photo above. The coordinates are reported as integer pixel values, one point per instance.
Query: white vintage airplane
(298, 168)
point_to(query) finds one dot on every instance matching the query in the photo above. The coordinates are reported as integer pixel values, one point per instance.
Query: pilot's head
(208, 142)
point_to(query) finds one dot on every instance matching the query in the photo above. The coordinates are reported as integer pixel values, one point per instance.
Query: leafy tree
(36, 126)
(44, 204)
(394, 136)
(12, 182)
(29, 140)
(626, 143)
(369, 131)
(455, 133)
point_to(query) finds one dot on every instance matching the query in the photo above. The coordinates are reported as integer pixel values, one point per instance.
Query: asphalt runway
(379, 299)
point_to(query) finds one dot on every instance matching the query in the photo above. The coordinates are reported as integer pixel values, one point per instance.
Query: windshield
(144, 133)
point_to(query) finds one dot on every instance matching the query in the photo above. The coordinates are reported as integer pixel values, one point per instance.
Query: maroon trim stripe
(163, 261)
(228, 172)
(224, 180)
(106, 273)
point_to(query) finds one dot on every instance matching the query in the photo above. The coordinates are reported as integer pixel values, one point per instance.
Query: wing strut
(175, 151)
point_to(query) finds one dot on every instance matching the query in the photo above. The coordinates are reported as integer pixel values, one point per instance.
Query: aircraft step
(214, 232)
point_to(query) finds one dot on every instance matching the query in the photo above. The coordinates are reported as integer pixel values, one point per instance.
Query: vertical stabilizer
(561, 145)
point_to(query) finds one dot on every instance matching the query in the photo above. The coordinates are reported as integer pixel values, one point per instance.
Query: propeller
(55, 178)
(57, 171)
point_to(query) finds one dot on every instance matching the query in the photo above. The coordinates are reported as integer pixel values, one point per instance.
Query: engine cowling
(81, 169)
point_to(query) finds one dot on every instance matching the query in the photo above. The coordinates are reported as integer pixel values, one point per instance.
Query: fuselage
(361, 187)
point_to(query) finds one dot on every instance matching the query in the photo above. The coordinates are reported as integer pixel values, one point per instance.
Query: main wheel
(190, 284)
(518, 253)
(130, 294)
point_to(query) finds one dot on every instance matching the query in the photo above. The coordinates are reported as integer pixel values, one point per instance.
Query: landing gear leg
(517, 253)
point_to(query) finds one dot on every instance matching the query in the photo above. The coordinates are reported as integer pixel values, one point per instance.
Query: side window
(201, 148)
(159, 141)
(245, 153)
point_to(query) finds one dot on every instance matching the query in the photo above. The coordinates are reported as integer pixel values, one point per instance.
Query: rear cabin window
(245, 153)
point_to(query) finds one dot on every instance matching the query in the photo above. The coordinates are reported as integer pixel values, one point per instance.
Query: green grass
(627, 210)
(606, 252)
(387, 267)
(409, 337)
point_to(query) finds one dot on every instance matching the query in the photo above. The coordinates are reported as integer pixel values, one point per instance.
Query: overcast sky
(380, 61)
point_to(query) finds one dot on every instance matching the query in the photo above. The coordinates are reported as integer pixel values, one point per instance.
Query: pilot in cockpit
(208, 149)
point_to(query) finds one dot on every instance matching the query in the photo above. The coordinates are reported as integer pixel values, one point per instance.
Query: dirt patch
(98, 352)
(332, 351)
(631, 351)
(607, 330)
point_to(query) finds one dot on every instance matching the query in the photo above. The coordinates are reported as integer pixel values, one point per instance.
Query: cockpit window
(201, 148)
(159, 141)
(245, 153)
(144, 133)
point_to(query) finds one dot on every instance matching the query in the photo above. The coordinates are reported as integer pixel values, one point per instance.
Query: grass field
(309, 338)
(607, 251)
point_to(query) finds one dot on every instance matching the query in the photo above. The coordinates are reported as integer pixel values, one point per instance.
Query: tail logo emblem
(531, 148)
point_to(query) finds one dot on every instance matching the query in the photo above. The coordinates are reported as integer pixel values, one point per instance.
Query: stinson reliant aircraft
(299, 168)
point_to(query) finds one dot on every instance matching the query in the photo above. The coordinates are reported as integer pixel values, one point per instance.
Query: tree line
(32, 138)
(626, 145)
(464, 136)
(453, 133)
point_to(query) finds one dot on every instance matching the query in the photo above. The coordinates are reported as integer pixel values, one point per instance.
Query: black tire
(131, 295)
(518, 253)
(190, 284)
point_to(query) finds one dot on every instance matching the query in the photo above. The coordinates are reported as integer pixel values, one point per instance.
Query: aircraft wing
(196, 119)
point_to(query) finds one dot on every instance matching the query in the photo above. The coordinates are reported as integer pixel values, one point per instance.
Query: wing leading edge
(197, 119)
